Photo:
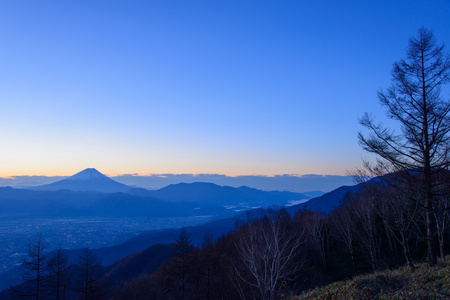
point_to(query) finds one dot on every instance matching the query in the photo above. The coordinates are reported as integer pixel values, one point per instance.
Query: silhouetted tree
(442, 210)
(90, 286)
(176, 276)
(402, 212)
(317, 235)
(366, 229)
(34, 268)
(183, 248)
(58, 278)
(414, 101)
(344, 227)
(208, 259)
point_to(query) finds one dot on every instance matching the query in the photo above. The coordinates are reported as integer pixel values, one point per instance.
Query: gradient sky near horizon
(227, 87)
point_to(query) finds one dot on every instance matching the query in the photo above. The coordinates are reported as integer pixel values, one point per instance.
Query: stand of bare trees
(50, 275)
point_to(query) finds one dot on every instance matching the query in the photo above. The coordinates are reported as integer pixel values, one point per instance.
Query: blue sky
(226, 87)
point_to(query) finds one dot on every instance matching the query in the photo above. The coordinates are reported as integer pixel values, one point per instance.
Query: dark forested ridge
(326, 202)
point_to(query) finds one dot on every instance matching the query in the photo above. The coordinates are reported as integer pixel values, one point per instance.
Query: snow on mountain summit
(88, 174)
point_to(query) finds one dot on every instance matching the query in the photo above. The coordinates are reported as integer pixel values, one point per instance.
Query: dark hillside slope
(327, 202)
(146, 261)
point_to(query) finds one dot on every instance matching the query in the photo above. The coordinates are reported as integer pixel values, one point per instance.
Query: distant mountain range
(92, 194)
(285, 182)
(89, 193)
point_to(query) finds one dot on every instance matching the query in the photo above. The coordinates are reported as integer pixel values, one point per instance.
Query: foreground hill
(143, 262)
(424, 283)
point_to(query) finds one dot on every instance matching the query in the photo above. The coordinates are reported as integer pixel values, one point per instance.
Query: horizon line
(180, 174)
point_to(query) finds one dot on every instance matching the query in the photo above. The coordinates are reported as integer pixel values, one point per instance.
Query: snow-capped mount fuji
(89, 174)
(87, 180)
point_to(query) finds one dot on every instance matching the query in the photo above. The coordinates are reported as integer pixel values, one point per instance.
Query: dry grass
(425, 283)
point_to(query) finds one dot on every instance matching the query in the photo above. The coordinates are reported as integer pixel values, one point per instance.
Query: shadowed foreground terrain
(423, 283)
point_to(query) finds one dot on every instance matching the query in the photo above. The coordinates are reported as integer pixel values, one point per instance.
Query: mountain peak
(87, 180)
(87, 174)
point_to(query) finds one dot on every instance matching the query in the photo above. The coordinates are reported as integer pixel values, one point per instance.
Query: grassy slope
(424, 283)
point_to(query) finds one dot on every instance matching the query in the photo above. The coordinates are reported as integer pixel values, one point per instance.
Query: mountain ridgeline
(92, 194)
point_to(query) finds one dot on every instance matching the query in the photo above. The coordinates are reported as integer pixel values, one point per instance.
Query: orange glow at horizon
(115, 172)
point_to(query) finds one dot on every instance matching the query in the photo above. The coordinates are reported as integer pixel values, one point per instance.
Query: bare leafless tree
(414, 100)
(395, 202)
(90, 286)
(400, 213)
(183, 250)
(344, 227)
(265, 252)
(34, 269)
(364, 215)
(441, 213)
(317, 235)
(58, 279)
